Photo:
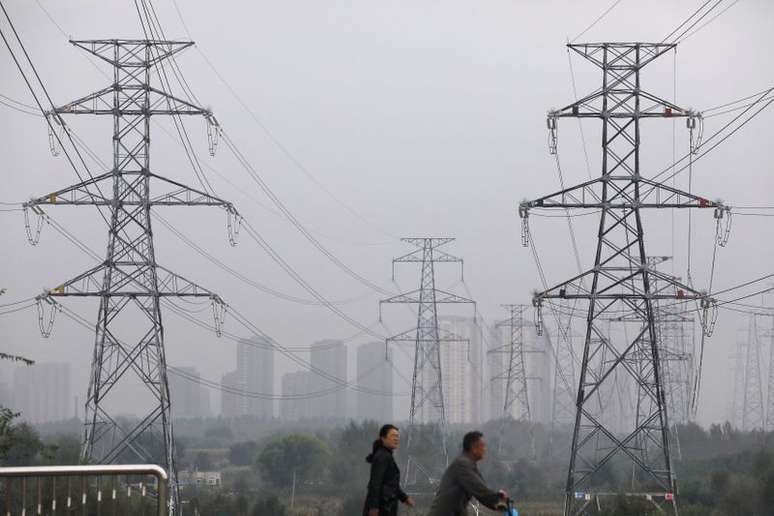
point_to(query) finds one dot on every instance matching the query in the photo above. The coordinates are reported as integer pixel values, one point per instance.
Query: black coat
(384, 490)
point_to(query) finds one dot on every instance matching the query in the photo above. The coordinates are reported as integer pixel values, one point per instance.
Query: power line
(737, 101)
(688, 20)
(713, 136)
(274, 344)
(19, 109)
(74, 316)
(597, 20)
(283, 149)
(18, 309)
(51, 103)
(292, 218)
(240, 276)
(709, 21)
(302, 282)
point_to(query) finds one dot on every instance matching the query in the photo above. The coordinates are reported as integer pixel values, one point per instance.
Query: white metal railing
(115, 490)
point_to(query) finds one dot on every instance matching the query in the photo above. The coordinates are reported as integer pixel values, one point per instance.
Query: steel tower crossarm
(98, 191)
(623, 193)
(129, 281)
(414, 298)
(618, 276)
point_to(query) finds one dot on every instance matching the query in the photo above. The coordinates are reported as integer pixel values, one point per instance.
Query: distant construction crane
(620, 281)
(129, 282)
(427, 387)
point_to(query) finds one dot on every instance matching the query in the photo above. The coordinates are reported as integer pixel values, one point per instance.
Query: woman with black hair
(384, 490)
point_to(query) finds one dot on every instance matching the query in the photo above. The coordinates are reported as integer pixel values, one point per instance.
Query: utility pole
(620, 280)
(427, 393)
(129, 283)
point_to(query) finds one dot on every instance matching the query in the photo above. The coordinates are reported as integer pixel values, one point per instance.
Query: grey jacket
(460, 482)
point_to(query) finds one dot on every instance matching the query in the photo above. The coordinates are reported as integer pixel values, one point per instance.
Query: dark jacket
(384, 490)
(460, 482)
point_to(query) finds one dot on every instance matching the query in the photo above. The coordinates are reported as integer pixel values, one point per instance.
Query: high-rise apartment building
(296, 406)
(254, 373)
(189, 398)
(330, 358)
(255, 366)
(373, 373)
(231, 404)
(43, 392)
(462, 366)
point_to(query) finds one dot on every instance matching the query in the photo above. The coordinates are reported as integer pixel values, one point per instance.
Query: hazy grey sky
(423, 117)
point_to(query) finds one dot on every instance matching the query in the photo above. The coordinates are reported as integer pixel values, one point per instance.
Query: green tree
(202, 461)
(269, 506)
(20, 445)
(354, 442)
(14, 358)
(243, 454)
(64, 450)
(304, 455)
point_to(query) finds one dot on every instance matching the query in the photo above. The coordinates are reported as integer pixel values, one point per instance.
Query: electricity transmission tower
(129, 283)
(620, 281)
(748, 383)
(770, 393)
(427, 393)
(563, 393)
(678, 362)
(513, 375)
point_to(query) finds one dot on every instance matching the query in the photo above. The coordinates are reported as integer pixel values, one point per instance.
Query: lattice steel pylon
(129, 283)
(563, 388)
(427, 394)
(620, 280)
(674, 356)
(677, 337)
(749, 404)
(513, 374)
(769, 333)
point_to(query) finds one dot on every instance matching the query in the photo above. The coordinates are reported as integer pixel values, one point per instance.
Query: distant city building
(255, 365)
(298, 383)
(189, 398)
(462, 368)
(373, 373)
(538, 367)
(330, 358)
(231, 404)
(254, 374)
(42, 392)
